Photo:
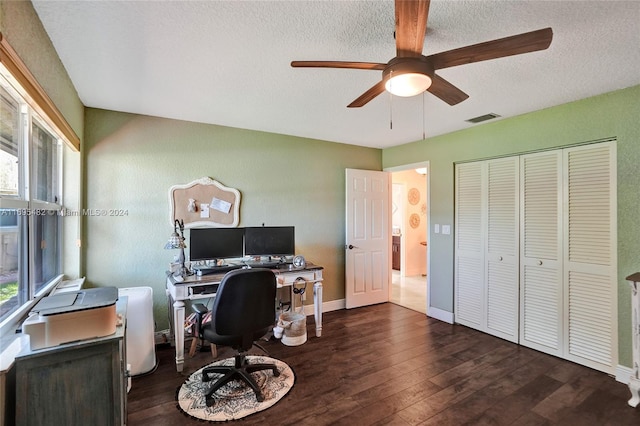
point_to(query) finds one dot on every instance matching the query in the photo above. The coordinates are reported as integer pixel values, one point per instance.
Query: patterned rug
(234, 400)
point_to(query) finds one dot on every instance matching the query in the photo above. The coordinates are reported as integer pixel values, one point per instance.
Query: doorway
(409, 232)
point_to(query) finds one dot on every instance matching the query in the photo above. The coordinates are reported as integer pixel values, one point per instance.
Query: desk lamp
(176, 241)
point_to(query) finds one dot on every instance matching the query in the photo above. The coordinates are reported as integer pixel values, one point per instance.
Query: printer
(72, 316)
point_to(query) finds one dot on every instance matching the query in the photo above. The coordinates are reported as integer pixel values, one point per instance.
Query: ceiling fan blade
(339, 64)
(508, 46)
(446, 91)
(411, 26)
(368, 95)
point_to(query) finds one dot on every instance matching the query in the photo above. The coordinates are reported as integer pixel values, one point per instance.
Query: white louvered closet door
(541, 287)
(590, 256)
(502, 248)
(469, 249)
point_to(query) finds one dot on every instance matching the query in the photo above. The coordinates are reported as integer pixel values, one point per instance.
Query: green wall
(131, 161)
(613, 114)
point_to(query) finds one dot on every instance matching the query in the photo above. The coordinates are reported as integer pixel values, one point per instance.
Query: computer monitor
(269, 241)
(216, 243)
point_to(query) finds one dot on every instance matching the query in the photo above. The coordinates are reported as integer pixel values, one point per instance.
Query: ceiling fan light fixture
(408, 84)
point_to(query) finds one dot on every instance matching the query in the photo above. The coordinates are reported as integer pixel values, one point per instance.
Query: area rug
(234, 400)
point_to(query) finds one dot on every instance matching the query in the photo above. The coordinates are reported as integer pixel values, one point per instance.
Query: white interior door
(487, 246)
(469, 261)
(541, 287)
(503, 246)
(368, 237)
(590, 256)
(563, 202)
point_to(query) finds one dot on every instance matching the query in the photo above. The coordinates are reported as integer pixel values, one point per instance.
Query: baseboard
(332, 305)
(623, 374)
(440, 314)
(336, 305)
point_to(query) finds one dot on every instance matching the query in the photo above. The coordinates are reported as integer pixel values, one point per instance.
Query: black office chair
(243, 311)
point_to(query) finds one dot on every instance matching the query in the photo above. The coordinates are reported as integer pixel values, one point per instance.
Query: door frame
(413, 166)
(403, 193)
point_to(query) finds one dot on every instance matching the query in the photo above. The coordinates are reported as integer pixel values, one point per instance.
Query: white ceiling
(228, 62)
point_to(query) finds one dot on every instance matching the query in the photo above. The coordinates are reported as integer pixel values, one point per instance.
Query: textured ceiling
(228, 62)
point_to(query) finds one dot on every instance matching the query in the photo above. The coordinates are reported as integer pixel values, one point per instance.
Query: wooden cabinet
(81, 383)
(395, 252)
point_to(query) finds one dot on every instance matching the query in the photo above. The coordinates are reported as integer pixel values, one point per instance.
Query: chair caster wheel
(209, 401)
(276, 373)
(259, 398)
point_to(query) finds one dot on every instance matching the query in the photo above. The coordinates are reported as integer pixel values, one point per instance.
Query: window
(9, 127)
(30, 200)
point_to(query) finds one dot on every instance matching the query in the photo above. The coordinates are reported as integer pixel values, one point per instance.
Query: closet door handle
(500, 258)
(539, 262)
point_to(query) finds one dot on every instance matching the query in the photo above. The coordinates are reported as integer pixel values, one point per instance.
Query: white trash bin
(294, 328)
(141, 345)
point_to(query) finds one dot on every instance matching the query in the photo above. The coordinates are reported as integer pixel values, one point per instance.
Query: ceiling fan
(410, 72)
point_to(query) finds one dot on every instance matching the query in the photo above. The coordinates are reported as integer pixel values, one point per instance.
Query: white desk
(204, 287)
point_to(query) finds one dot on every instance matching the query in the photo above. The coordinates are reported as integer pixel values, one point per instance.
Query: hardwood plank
(568, 396)
(525, 370)
(531, 419)
(516, 405)
(479, 381)
(388, 365)
(471, 367)
(603, 408)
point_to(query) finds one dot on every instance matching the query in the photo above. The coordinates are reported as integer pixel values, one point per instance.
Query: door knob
(351, 247)
(539, 262)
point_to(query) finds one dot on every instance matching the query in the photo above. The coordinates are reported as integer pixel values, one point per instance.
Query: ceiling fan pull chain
(423, 115)
(390, 106)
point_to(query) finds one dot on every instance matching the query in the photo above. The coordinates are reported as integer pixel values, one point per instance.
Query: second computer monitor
(269, 241)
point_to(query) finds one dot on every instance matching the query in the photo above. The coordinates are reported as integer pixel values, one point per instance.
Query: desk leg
(178, 327)
(317, 307)
(634, 387)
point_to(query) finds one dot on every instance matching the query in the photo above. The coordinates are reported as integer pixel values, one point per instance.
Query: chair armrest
(199, 308)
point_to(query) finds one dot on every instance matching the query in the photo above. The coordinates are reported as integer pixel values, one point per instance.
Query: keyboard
(219, 269)
(269, 265)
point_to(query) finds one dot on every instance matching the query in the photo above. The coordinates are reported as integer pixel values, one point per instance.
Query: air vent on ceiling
(482, 118)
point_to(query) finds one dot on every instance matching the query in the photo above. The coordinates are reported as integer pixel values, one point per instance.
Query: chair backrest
(244, 302)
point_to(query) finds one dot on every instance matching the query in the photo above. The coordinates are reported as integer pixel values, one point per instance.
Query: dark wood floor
(385, 364)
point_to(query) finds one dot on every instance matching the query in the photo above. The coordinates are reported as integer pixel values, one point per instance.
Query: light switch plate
(446, 229)
(436, 228)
